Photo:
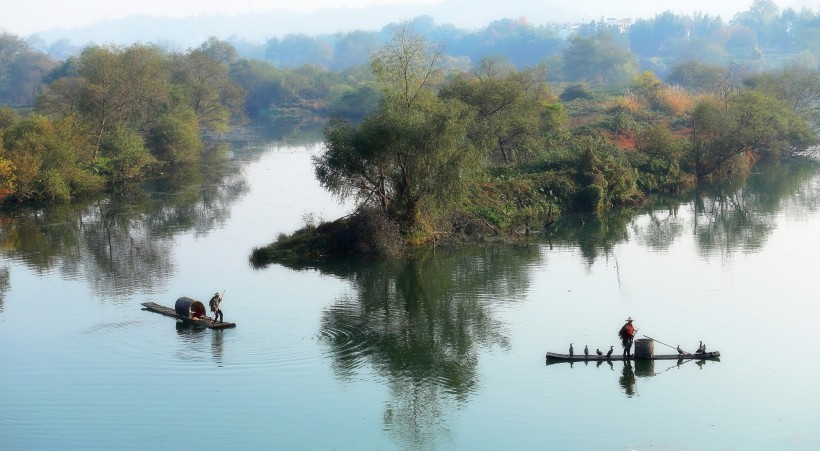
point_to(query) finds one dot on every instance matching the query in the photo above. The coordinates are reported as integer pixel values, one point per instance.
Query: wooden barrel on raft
(644, 348)
(191, 308)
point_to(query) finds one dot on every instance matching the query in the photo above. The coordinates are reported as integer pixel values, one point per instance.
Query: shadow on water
(194, 340)
(421, 324)
(628, 372)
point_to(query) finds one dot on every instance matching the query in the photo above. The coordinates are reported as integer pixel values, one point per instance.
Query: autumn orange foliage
(675, 100)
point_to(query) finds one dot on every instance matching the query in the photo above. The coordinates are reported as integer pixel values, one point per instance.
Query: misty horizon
(279, 21)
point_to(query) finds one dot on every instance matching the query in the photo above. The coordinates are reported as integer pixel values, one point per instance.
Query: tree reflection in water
(121, 243)
(4, 284)
(724, 217)
(421, 324)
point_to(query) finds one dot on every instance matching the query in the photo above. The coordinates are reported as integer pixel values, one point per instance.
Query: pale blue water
(444, 351)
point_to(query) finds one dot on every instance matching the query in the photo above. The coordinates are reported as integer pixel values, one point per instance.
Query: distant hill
(469, 14)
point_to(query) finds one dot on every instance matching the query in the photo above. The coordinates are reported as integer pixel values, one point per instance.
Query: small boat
(189, 310)
(555, 357)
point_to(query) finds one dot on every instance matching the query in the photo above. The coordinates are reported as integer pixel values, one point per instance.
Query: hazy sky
(23, 17)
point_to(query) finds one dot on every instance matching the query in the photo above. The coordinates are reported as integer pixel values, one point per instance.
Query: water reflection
(420, 324)
(4, 284)
(627, 379)
(194, 340)
(725, 217)
(742, 218)
(122, 243)
(630, 371)
(594, 235)
(217, 349)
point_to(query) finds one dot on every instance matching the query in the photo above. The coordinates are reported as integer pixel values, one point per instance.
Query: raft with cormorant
(556, 357)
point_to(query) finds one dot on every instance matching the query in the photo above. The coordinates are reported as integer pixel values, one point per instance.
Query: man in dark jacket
(216, 301)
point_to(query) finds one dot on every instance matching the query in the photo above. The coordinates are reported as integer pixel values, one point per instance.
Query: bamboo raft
(203, 321)
(555, 357)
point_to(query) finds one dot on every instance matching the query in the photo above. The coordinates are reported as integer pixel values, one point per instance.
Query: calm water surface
(442, 351)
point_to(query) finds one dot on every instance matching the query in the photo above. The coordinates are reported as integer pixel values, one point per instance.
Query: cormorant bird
(680, 351)
(700, 348)
(598, 351)
(703, 348)
(586, 351)
(571, 351)
(609, 353)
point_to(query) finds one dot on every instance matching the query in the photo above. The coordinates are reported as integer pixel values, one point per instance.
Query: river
(444, 350)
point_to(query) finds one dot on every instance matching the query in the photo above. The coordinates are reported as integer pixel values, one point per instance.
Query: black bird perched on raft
(701, 348)
(571, 351)
(586, 351)
(598, 351)
(680, 351)
(609, 353)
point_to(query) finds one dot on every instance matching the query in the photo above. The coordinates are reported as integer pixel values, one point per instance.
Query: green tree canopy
(410, 158)
(22, 71)
(797, 85)
(116, 87)
(48, 159)
(598, 59)
(748, 121)
(204, 85)
(512, 110)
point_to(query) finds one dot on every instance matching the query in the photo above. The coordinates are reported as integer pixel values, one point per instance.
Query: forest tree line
(114, 114)
(304, 67)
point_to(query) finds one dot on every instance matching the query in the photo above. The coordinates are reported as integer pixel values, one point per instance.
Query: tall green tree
(746, 122)
(598, 59)
(353, 48)
(407, 68)
(513, 111)
(761, 18)
(22, 71)
(204, 84)
(411, 157)
(797, 85)
(661, 35)
(116, 87)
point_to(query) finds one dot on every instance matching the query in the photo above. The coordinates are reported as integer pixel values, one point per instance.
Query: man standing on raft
(215, 304)
(627, 335)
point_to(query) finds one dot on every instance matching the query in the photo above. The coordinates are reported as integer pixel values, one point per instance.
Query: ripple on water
(168, 348)
(99, 329)
(349, 344)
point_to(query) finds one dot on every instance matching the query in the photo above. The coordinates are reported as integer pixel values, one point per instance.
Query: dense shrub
(576, 91)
